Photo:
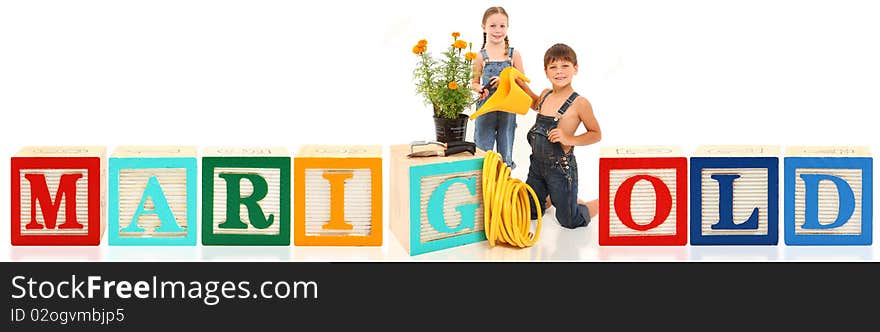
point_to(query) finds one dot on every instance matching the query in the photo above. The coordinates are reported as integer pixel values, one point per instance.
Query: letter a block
(153, 196)
(58, 196)
(245, 196)
(828, 196)
(436, 202)
(338, 196)
(735, 195)
(642, 196)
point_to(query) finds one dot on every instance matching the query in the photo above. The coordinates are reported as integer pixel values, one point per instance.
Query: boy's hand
(558, 136)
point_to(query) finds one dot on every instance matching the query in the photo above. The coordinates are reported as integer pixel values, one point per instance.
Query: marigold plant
(439, 81)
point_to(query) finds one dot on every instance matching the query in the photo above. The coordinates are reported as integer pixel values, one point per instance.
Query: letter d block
(436, 202)
(153, 196)
(828, 196)
(642, 196)
(246, 196)
(338, 196)
(58, 196)
(735, 195)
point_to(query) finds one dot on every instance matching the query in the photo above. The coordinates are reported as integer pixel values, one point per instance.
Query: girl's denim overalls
(495, 126)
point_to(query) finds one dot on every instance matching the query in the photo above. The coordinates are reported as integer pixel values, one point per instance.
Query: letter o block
(58, 196)
(642, 196)
(153, 196)
(245, 196)
(436, 202)
(338, 196)
(828, 195)
(735, 195)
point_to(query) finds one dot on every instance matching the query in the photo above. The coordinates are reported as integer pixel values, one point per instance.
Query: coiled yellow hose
(506, 208)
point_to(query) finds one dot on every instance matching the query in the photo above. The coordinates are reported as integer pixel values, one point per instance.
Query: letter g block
(436, 202)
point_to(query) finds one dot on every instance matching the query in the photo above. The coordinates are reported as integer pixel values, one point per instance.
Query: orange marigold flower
(456, 35)
(419, 49)
(452, 85)
(470, 55)
(459, 44)
(423, 42)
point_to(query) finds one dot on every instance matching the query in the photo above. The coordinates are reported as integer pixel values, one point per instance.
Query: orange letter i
(337, 200)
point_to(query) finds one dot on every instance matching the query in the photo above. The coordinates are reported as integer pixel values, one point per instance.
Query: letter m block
(57, 196)
(436, 202)
(642, 196)
(828, 195)
(338, 196)
(245, 196)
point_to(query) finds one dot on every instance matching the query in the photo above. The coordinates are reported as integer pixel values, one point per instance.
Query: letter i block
(245, 196)
(58, 195)
(436, 202)
(735, 195)
(338, 196)
(828, 195)
(153, 196)
(642, 196)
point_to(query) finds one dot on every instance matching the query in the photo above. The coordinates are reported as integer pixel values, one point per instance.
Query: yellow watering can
(509, 97)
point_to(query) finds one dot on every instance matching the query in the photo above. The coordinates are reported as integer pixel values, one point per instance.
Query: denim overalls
(554, 172)
(495, 126)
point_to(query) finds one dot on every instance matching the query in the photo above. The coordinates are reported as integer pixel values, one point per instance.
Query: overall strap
(541, 103)
(510, 56)
(485, 55)
(565, 105)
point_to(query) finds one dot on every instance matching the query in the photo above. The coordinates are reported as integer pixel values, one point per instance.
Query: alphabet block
(642, 196)
(828, 195)
(245, 196)
(58, 195)
(735, 195)
(338, 196)
(153, 196)
(436, 202)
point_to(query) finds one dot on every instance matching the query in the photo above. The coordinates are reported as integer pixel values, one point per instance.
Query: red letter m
(40, 192)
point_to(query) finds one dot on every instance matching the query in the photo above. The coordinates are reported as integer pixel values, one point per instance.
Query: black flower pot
(451, 130)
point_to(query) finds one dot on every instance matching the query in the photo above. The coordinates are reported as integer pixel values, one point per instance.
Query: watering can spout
(509, 97)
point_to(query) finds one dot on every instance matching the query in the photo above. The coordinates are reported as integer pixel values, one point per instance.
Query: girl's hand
(493, 82)
(484, 93)
(558, 136)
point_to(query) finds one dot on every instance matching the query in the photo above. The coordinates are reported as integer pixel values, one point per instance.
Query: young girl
(495, 55)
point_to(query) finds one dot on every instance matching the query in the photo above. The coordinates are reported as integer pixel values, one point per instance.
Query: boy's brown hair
(560, 52)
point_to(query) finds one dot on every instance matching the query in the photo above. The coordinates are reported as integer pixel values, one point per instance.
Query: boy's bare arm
(594, 133)
(585, 115)
(517, 63)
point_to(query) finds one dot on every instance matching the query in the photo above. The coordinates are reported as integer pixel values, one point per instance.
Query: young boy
(553, 170)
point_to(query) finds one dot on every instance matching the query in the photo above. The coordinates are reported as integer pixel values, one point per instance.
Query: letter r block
(828, 195)
(245, 196)
(153, 196)
(436, 202)
(338, 196)
(735, 195)
(642, 196)
(58, 196)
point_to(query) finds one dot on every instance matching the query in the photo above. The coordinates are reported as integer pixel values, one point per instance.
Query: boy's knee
(569, 219)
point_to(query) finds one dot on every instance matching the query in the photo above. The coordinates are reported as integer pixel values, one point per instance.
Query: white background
(289, 73)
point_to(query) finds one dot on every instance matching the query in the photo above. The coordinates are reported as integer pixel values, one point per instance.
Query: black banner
(231, 296)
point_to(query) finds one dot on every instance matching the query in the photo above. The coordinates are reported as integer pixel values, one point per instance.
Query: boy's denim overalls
(495, 126)
(554, 172)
